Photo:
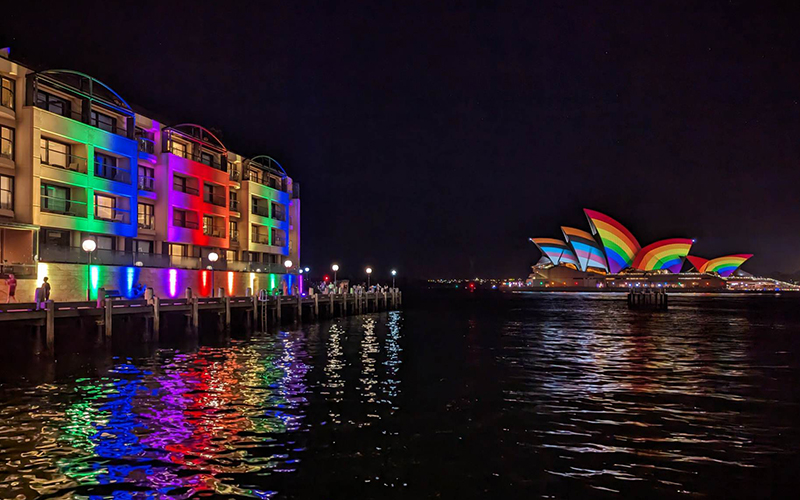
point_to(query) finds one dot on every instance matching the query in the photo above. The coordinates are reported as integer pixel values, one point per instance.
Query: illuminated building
(78, 162)
(611, 257)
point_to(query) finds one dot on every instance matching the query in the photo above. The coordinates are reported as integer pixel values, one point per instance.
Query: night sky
(436, 139)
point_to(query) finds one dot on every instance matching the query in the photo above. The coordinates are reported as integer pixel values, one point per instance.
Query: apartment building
(77, 162)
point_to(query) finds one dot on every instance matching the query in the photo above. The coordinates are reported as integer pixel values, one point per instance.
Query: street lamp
(369, 271)
(394, 273)
(89, 246)
(335, 269)
(212, 257)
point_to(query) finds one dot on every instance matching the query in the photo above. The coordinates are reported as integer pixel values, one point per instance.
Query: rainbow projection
(586, 249)
(557, 251)
(665, 254)
(620, 245)
(724, 266)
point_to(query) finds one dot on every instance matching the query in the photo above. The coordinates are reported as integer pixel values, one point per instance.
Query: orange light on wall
(230, 283)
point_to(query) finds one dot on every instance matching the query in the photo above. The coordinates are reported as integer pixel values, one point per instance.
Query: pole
(368, 276)
(334, 278)
(89, 276)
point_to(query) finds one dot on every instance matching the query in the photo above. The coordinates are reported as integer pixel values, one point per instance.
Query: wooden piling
(278, 308)
(108, 317)
(316, 305)
(50, 322)
(299, 306)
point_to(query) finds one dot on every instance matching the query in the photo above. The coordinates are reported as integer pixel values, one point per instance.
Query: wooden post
(316, 305)
(344, 304)
(50, 321)
(278, 308)
(331, 307)
(108, 316)
(385, 304)
(254, 299)
(156, 318)
(299, 306)
(227, 302)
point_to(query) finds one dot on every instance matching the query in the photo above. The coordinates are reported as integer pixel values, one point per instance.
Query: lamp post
(369, 272)
(335, 269)
(89, 246)
(212, 257)
(288, 265)
(394, 273)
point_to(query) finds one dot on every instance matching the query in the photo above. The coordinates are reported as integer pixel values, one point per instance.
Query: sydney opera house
(609, 256)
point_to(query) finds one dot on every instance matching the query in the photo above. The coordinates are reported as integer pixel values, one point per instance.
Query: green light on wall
(94, 279)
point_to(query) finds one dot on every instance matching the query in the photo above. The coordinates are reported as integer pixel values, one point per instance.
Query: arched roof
(86, 84)
(269, 163)
(620, 245)
(200, 133)
(663, 255)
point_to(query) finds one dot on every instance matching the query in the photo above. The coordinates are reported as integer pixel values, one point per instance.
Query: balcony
(112, 172)
(186, 189)
(66, 161)
(278, 242)
(261, 239)
(234, 205)
(214, 199)
(61, 206)
(279, 215)
(262, 211)
(147, 222)
(147, 183)
(235, 175)
(235, 236)
(112, 214)
(146, 145)
(213, 231)
(188, 224)
(206, 159)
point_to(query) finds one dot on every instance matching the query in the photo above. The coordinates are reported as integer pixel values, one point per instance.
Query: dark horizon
(437, 140)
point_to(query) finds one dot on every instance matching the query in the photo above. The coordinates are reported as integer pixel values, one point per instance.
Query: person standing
(45, 289)
(11, 283)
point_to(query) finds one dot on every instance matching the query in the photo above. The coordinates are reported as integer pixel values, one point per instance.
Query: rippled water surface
(458, 396)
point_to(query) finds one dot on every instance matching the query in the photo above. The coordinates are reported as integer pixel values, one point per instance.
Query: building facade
(77, 162)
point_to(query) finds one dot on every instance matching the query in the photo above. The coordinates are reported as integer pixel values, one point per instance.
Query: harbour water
(457, 396)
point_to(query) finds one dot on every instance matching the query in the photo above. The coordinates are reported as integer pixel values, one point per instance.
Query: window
(182, 184)
(54, 198)
(147, 178)
(7, 142)
(207, 158)
(212, 226)
(55, 237)
(6, 192)
(145, 140)
(177, 148)
(106, 242)
(214, 194)
(143, 246)
(278, 237)
(260, 206)
(230, 255)
(259, 234)
(54, 153)
(184, 218)
(103, 121)
(278, 212)
(233, 228)
(255, 174)
(52, 103)
(177, 250)
(105, 207)
(106, 166)
(234, 204)
(147, 216)
(7, 92)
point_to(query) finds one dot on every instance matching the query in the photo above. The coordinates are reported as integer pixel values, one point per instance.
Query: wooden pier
(259, 311)
(648, 298)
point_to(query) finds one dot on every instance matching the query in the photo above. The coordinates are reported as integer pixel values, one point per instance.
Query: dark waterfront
(458, 396)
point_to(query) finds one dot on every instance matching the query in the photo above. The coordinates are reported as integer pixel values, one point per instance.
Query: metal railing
(116, 214)
(211, 161)
(56, 205)
(188, 224)
(112, 172)
(262, 211)
(234, 205)
(214, 199)
(216, 232)
(279, 215)
(186, 189)
(184, 262)
(262, 239)
(146, 145)
(67, 112)
(147, 183)
(235, 174)
(278, 242)
(70, 162)
(19, 270)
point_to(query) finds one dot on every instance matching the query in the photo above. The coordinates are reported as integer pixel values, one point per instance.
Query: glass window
(54, 198)
(207, 158)
(6, 192)
(255, 174)
(177, 249)
(103, 121)
(144, 246)
(105, 166)
(7, 142)
(52, 103)
(55, 237)
(260, 206)
(146, 216)
(147, 178)
(105, 207)
(234, 230)
(7, 92)
(230, 255)
(177, 148)
(106, 242)
(54, 153)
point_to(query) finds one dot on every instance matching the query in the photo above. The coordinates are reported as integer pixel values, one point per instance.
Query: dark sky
(438, 138)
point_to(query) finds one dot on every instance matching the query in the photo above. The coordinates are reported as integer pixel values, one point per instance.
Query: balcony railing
(214, 199)
(188, 224)
(211, 161)
(184, 262)
(56, 205)
(280, 216)
(147, 183)
(262, 239)
(234, 205)
(112, 214)
(278, 242)
(146, 145)
(112, 172)
(116, 127)
(216, 232)
(262, 211)
(235, 174)
(235, 235)
(147, 222)
(66, 161)
(186, 189)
